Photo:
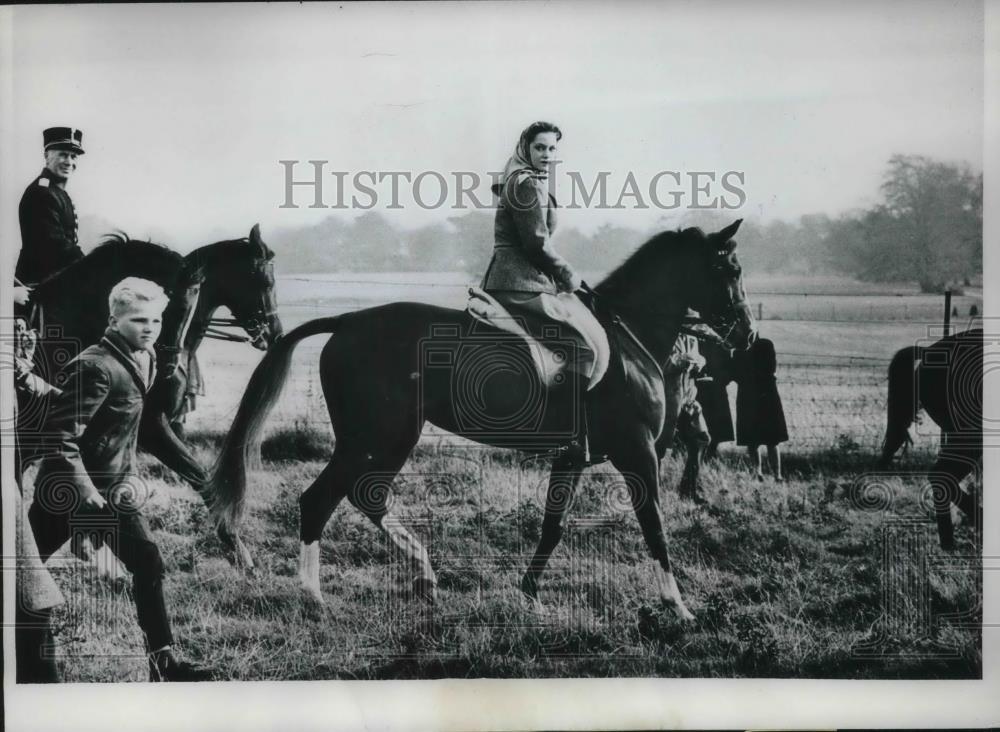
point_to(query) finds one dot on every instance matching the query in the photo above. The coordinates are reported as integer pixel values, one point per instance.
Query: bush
(298, 442)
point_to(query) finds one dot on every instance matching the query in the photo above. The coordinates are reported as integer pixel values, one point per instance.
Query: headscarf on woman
(520, 160)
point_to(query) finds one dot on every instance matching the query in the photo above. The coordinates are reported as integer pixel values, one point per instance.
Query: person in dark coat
(87, 482)
(46, 212)
(714, 397)
(760, 418)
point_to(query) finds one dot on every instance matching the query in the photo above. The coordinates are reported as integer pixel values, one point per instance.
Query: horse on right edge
(946, 380)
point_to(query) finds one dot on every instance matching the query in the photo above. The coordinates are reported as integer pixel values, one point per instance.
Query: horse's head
(717, 291)
(245, 285)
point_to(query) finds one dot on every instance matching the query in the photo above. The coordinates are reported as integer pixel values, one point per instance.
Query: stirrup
(575, 448)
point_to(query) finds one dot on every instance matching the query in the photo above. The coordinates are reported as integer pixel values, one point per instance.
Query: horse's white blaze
(309, 568)
(670, 594)
(410, 546)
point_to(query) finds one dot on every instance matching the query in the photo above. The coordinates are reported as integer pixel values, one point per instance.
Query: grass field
(824, 575)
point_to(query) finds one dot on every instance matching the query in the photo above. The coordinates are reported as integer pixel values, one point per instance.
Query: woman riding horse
(424, 363)
(526, 275)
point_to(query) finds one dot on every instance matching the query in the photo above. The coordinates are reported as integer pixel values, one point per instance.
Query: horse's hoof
(425, 589)
(240, 557)
(313, 594)
(682, 613)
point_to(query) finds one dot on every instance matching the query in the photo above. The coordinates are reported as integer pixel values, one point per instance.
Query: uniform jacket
(48, 230)
(94, 423)
(523, 257)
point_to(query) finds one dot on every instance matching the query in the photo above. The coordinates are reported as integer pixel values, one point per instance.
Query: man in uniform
(46, 213)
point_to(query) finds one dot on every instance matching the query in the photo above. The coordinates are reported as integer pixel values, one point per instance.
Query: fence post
(760, 311)
(947, 312)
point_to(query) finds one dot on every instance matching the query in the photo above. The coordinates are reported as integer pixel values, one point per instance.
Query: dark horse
(946, 380)
(389, 369)
(70, 308)
(70, 312)
(238, 275)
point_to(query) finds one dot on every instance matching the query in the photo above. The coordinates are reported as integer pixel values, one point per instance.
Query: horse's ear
(730, 231)
(256, 241)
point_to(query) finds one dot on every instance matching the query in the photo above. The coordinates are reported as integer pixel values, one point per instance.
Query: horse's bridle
(253, 325)
(720, 329)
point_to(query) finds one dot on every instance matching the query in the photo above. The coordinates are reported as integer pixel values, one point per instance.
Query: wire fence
(832, 372)
(853, 302)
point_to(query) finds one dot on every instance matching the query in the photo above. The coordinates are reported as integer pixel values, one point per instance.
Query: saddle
(549, 360)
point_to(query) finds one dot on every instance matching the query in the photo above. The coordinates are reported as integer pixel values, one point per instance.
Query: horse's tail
(228, 481)
(902, 403)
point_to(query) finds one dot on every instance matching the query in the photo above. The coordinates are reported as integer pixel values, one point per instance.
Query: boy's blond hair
(132, 290)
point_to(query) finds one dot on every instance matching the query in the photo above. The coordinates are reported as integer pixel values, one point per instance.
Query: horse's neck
(657, 324)
(207, 305)
(660, 341)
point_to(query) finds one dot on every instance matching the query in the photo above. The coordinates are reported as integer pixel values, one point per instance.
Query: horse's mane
(216, 248)
(220, 249)
(650, 257)
(106, 260)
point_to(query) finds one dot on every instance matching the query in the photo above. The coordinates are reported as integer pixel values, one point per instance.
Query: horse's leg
(316, 504)
(365, 479)
(158, 438)
(563, 480)
(967, 502)
(640, 473)
(952, 465)
(369, 493)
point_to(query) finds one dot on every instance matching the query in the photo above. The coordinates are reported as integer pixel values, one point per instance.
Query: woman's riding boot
(579, 446)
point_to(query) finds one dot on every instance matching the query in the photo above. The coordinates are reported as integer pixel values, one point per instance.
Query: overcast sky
(186, 111)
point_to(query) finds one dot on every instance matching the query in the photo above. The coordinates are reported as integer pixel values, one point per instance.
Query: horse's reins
(253, 325)
(173, 352)
(690, 325)
(211, 330)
